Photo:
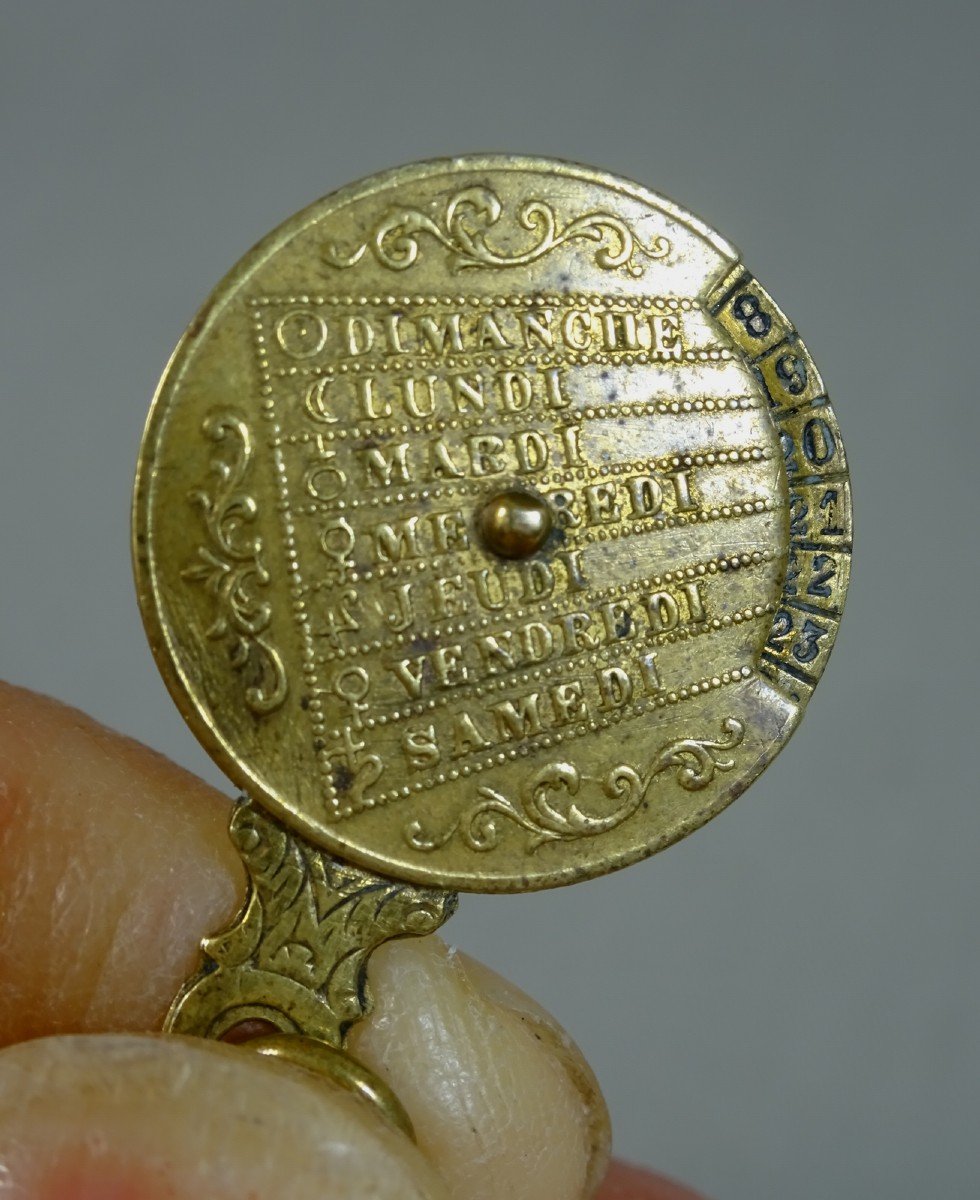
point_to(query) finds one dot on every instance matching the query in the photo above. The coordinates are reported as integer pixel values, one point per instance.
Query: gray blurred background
(785, 1005)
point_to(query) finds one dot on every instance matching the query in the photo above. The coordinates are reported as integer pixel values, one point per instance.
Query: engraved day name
(389, 421)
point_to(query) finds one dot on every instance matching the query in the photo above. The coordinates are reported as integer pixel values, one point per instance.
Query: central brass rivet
(514, 524)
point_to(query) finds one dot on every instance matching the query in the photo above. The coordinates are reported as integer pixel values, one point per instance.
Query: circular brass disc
(492, 523)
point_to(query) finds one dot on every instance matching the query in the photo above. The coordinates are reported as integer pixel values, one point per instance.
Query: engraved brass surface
(296, 956)
(397, 661)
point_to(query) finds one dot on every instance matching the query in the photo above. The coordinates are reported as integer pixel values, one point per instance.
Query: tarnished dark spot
(343, 777)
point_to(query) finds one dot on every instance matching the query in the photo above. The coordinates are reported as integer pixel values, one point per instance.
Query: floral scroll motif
(463, 231)
(547, 809)
(230, 565)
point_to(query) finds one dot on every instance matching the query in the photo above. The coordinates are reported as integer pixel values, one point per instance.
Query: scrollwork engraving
(468, 216)
(547, 810)
(230, 565)
(297, 954)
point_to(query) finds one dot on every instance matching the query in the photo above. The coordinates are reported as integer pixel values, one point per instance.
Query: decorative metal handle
(296, 955)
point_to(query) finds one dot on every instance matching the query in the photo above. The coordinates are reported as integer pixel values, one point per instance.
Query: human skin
(115, 864)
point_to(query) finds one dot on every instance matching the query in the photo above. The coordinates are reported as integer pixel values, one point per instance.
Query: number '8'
(747, 311)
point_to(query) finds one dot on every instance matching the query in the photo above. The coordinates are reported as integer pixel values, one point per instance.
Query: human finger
(627, 1182)
(116, 1117)
(486, 1073)
(116, 863)
(120, 863)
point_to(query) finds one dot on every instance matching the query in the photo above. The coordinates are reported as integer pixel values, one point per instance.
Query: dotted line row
(726, 512)
(568, 358)
(528, 300)
(433, 563)
(668, 462)
(652, 408)
(306, 631)
(296, 588)
(569, 665)
(268, 409)
(697, 688)
(409, 495)
(701, 516)
(529, 416)
(724, 564)
(679, 520)
(688, 406)
(289, 529)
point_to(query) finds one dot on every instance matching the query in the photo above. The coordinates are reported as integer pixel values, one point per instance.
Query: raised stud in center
(514, 524)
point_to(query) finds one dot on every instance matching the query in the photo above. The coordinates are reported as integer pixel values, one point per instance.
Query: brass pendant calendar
(492, 531)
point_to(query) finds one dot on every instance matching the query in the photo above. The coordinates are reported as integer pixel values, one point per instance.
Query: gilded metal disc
(492, 523)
